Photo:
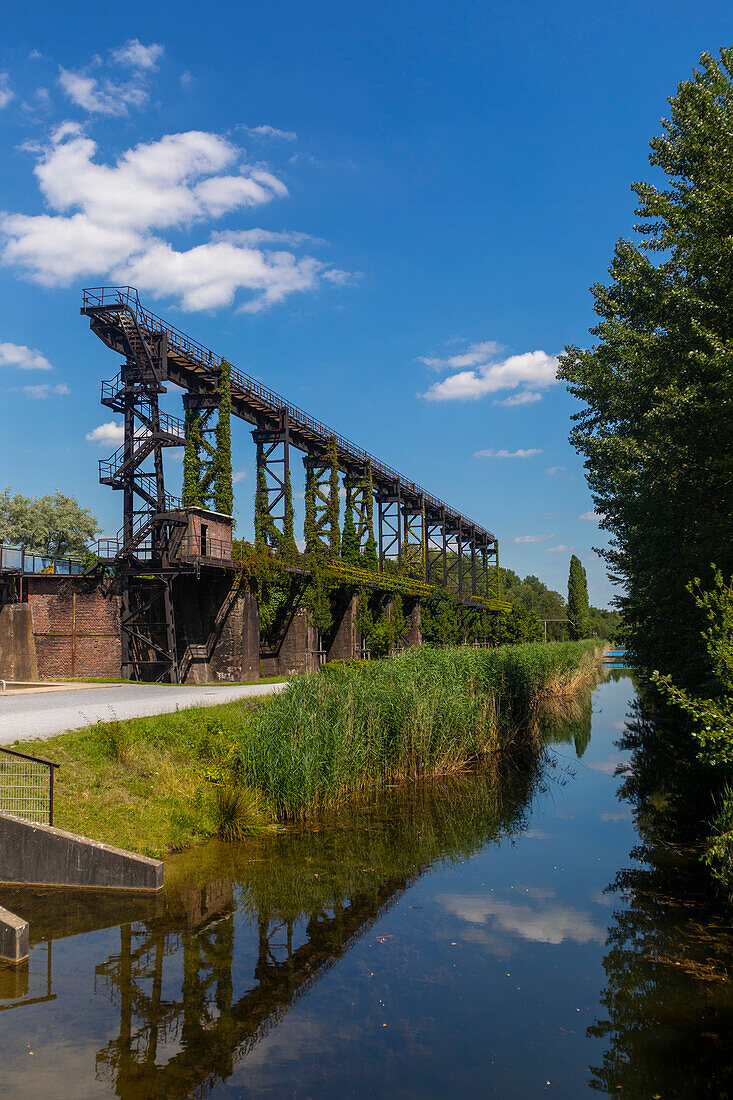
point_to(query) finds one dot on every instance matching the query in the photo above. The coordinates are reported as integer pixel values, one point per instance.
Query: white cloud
(100, 95)
(105, 214)
(592, 517)
(137, 56)
(6, 92)
(254, 237)
(475, 354)
(186, 79)
(523, 397)
(45, 390)
(529, 452)
(480, 371)
(111, 432)
(559, 549)
(208, 276)
(239, 475)
(533, 538)
(18, 355)
(552, 470)
(270, 132)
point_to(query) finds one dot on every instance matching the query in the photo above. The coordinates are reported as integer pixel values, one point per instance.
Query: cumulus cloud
(592, 517)
(552, 470)
(481, 370)
(112, 431)
(521, 453)
(18, 355)
(6, 92)
(98, 94)
(238, 475)
(533, 538)
(559, 549)
(104, 216)
(270, 132)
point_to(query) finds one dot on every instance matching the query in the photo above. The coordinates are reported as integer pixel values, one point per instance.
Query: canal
(509, 936)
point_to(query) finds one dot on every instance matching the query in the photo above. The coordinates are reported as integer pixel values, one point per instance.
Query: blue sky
(390, 213)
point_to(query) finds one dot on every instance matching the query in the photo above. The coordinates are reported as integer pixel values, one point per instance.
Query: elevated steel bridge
(455, 552)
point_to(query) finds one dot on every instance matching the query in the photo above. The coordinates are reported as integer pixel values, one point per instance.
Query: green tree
(656, 428)
(55, 524)
(578, 609)
(223, 490)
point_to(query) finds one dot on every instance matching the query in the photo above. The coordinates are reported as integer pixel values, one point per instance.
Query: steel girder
(273, 477)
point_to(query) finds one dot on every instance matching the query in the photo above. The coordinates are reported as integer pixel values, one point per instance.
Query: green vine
(192, 465)
(332, 509)
(223, 491)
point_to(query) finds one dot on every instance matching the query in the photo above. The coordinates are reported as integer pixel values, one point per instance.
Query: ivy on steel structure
(453, 551)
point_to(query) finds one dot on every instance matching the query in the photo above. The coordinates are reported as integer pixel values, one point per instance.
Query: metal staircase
(152, 521)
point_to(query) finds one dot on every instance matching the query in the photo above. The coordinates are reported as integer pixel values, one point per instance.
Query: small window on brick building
(204, 539)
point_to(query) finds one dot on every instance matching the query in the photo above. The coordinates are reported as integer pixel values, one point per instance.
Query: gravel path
(47, 713)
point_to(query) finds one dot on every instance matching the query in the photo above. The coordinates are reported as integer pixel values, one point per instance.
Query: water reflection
(245, 932)
(667, 1017)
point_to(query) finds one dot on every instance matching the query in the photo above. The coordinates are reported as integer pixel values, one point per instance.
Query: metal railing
(26, 786)
(244, 386)
(198, 546)
(14, 560)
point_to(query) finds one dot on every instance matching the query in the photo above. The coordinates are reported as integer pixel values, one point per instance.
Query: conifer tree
(578, 609)
(223, 491)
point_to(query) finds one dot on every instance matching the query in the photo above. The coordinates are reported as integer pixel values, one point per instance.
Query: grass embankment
(161, 783)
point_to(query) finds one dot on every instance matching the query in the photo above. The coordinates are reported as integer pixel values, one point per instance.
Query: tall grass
(426, 712)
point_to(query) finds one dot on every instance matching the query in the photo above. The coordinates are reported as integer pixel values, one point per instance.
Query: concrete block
(44, 856)
(14, 938)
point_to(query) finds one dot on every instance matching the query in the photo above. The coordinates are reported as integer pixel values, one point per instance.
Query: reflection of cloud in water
(608, 767)
(551, 923)
(537, 834)
(618, 815)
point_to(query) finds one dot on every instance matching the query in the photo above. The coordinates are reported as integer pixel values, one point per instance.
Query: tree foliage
(54, 525)
(578, 609)
(656, 429)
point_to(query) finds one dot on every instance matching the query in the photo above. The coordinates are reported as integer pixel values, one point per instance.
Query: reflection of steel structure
(184, 1047)
(414, 527)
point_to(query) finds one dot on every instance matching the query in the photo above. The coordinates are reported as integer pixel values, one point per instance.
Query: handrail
(14, 559)
(178, 340)
(50, 764)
